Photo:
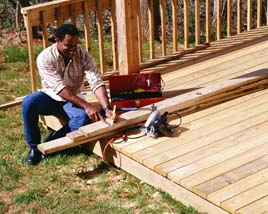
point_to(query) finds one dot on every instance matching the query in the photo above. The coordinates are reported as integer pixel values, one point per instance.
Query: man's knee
(82, 118)
(28, 103)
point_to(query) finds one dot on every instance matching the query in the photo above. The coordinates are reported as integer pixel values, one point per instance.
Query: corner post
(127, 34)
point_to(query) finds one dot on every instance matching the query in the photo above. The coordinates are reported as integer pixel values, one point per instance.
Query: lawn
(71, 181)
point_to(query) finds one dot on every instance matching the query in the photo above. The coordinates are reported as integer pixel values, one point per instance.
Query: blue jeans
(39, 103)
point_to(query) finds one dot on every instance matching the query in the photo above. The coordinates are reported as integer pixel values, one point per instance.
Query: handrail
(57, 12)
(60, 10)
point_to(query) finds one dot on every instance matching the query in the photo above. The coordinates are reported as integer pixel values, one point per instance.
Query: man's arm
(101, 95)
(92, 111)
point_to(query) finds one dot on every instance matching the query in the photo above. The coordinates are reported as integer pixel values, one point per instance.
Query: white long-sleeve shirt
(56, 75)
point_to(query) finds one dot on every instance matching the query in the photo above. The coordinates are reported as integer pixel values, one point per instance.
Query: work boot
(34, 156)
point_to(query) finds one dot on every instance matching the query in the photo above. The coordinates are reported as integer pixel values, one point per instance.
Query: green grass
(66, 182)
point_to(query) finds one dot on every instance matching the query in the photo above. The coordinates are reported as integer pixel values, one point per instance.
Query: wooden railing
(127, 31)
(58, 12)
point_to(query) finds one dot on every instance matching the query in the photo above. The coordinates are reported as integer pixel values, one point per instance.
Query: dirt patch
(13, 38)
(7, 206)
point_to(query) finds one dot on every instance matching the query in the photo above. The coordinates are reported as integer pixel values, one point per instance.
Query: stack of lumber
(191, 101)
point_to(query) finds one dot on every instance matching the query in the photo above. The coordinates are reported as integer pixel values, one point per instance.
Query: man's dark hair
(66, 29)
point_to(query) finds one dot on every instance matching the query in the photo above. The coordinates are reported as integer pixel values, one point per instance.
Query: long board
(101, 129)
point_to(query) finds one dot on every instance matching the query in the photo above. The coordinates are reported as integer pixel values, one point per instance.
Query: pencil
(113, 115)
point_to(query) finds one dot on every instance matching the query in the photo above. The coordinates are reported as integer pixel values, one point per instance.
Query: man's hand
(111, 114)
(93, 113)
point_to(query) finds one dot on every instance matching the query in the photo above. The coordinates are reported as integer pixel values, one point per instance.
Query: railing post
(127, 33)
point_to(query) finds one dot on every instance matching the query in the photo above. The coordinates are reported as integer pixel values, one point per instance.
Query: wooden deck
(217, 160)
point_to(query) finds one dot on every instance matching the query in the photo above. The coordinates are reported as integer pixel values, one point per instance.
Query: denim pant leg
(36, 104)
(78, 117)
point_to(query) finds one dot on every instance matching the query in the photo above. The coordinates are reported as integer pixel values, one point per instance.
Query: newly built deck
(217, 160)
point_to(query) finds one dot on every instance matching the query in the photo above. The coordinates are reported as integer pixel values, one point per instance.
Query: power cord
(124, 137)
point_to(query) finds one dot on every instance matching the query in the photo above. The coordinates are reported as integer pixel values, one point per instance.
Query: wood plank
(114, 36)
(127, 35)
(131, 146)
(147, 139)
(140, 32)
(151, 28)
(258, 207)
(11, 104)
(218, 108)
(254, 151)
(210, 149)
(163, 27)
(219, 21)
(186, 23)
(197, 22)
(29, 33)
(170, 145)
(76, 135)
(189, 138)
(170, 57)
(174, 7)
(239, 16)
(259, 13)
(43, 15)
(218, 48)
(239, 186)
(152, 178)
(246, 198)
(249, 15)
(173, 104)
(100, 36)
(218, 61)
(212, 75)
(50, 121)
(52, 11)
(195, 167)
(232, 176)
(86, 26)
(212, 116)
(229, 18)
(208, 22)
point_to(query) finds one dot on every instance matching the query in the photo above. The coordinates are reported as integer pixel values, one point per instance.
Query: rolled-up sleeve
(50, 78)
(91, 72)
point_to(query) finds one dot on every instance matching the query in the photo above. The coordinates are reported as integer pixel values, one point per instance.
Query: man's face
(67, 46)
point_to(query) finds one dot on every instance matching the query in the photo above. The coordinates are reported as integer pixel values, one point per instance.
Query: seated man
(62, 68)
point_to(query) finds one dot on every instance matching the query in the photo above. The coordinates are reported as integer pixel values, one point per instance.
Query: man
(62, 68)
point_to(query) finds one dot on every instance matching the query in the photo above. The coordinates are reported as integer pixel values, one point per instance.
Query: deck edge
(152, 178)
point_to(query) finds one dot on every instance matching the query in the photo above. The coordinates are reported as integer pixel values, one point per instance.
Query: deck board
(216, 165)
(258, 207)
(246, 198)
(219, 153)
(217, 160)
(196, 138)
(234, 188)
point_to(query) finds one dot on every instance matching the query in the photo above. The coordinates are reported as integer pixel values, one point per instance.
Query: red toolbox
(135, 90)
